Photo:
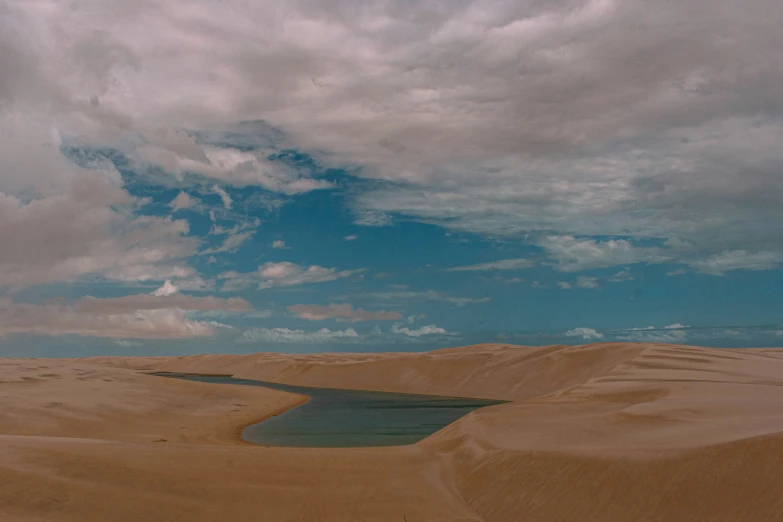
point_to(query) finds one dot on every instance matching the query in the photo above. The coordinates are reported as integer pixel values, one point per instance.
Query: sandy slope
(593, 433)
(75, 399)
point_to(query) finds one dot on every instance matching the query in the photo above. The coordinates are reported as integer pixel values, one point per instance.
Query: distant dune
(601, 432)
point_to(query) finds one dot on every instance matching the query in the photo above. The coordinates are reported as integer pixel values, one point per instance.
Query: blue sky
(385, 179)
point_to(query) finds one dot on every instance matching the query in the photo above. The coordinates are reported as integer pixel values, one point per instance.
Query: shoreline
(238, 429)
(242, 428)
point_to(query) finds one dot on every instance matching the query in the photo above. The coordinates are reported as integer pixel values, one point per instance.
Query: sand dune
(599, 432)
(60, 398)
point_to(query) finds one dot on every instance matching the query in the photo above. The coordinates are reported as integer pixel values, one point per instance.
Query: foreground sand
(593, 433)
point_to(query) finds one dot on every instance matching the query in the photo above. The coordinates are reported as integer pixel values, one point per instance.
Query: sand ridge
(602, 432)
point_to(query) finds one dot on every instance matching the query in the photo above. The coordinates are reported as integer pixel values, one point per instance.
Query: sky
(340, 175)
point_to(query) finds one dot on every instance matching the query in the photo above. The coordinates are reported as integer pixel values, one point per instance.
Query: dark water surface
(349, 418)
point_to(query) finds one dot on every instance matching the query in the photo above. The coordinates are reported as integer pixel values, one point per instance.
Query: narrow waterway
(349, 418)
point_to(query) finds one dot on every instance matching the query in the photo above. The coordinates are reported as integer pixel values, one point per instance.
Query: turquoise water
(350, 418)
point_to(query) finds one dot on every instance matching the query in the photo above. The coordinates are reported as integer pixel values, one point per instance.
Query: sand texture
(602, 432)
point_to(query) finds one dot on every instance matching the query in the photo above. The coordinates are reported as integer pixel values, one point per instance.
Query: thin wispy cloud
(342, 312)
(428, 295)
(504, 264)
(587, 282)
(284, 273)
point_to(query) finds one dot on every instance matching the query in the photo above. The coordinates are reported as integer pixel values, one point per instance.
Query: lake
(349, 418)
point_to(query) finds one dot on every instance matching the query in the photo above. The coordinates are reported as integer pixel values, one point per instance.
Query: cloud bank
(572, 117)
(134, 316)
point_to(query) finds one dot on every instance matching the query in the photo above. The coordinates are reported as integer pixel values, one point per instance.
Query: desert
(601, 432)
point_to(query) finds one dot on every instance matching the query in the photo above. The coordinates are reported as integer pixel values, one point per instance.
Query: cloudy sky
(238, 176)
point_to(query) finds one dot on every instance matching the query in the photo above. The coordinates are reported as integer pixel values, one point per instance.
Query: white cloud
(413, 318)
(224, 197)
(510, 280)
(342, 312)
(183, 200)
(587, 334)
(573, 254)
(429, 103)
(84, 231)
(505, 264)
(372, 218)
(135, 316)
(587, 282)
(237, 154)
(167, 289)
(279, 243)
(428, 295)
(244, 230)
(232, 242)
(673, 333)
(226, 314)
(241, 168)
(351, 238)
(286, 335)
(285, 273)
(60, 221)
(565, 285)
(621, 276)
(418, 332)
(126, 344)
(132, 303)
(719, 264)
(147, 272)
(396, 334)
